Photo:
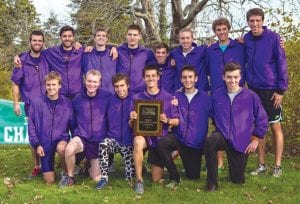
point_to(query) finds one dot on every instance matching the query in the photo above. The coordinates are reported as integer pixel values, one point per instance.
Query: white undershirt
(191, 95)
(232, 95)
(185, 53)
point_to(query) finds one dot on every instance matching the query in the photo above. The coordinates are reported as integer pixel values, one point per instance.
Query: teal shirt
(223, 47)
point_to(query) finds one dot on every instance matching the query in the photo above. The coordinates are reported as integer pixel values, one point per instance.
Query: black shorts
(154, 158)
(274, 115)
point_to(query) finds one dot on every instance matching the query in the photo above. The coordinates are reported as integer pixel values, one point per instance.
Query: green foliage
(51, 28)
(16, 165)
(292, 97)
(91, 15)
(289, 31)
(17, 19)
(5, 84)
(163, 21)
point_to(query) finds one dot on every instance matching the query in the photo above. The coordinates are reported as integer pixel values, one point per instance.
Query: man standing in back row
(29, 82)
(133, 58)
(266, 74)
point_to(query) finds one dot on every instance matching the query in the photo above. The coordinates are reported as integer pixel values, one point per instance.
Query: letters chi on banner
(13, 129)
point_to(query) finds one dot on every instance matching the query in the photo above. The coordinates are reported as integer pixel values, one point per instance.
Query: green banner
(13, 129)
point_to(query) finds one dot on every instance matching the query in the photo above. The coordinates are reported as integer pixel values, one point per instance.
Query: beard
(36, 51)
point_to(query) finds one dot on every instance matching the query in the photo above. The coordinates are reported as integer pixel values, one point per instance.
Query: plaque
(148, 120)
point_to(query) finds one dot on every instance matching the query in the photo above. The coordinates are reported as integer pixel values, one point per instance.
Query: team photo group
(81, 103)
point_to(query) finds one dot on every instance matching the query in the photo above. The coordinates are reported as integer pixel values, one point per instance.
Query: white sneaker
(261, 168)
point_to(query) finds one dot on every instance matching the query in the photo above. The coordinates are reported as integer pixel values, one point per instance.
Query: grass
(15, 164)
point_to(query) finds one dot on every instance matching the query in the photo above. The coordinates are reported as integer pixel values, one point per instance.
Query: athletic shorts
(274, 115)
(154, 158)
(47, 162)
(90, 148)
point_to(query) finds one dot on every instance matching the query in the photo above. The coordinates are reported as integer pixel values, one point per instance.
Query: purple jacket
(266, 61)
(193, 126)
(167, 76)
(103, 63)
(238, 121)
(90, 115)
(30, 78)
(118, 116)
(170, 110)
(133, 64)
(48, 124)
(196, 58)
(216, 59)
(69, 69)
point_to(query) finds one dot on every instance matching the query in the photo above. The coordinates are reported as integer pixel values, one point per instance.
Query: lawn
(17, 187)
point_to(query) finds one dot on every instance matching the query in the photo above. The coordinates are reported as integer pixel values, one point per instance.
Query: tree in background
(160, 18)
(17, 19)
(91, 14)
(51, 28)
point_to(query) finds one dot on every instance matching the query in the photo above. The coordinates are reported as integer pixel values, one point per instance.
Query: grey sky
(59, 7)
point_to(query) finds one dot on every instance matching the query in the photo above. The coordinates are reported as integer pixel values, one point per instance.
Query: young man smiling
(90, 108)
(167, 71)
(189, 53)
(119, 136)
(168, 117)
(266, 74)
(236, 133)
(28, 81)
(50, 118)
(99, 58)
(133, 58)
(218, 54)
(195, 108)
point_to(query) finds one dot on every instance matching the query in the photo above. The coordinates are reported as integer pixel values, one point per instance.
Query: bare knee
(139, 143)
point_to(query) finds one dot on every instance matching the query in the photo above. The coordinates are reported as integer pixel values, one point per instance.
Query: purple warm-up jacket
(103, 63)
(266, 61)
(30, 78)
(196, 58)
(193, 125)
(238, 121)
(90, 115)
(216, 60)
(133, 64)
(48, 124)
(170, 110)
(68, 68)
(167, 76)
(118, 116)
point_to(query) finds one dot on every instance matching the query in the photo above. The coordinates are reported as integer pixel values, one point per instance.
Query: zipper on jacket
(37, 68)
(130, 62)
(251, 84)
(101, 69)
(91, 115)
(67, 71)
(52, 124)
(188, 119)
(122, 110)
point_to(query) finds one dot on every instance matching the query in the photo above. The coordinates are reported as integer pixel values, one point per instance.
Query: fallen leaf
(38, 197)
(138, 197)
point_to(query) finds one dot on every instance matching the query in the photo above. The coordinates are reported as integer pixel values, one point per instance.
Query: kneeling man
(49, 121)
(240, 121)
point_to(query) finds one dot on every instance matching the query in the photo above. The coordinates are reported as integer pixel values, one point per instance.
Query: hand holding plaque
(148, 121)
